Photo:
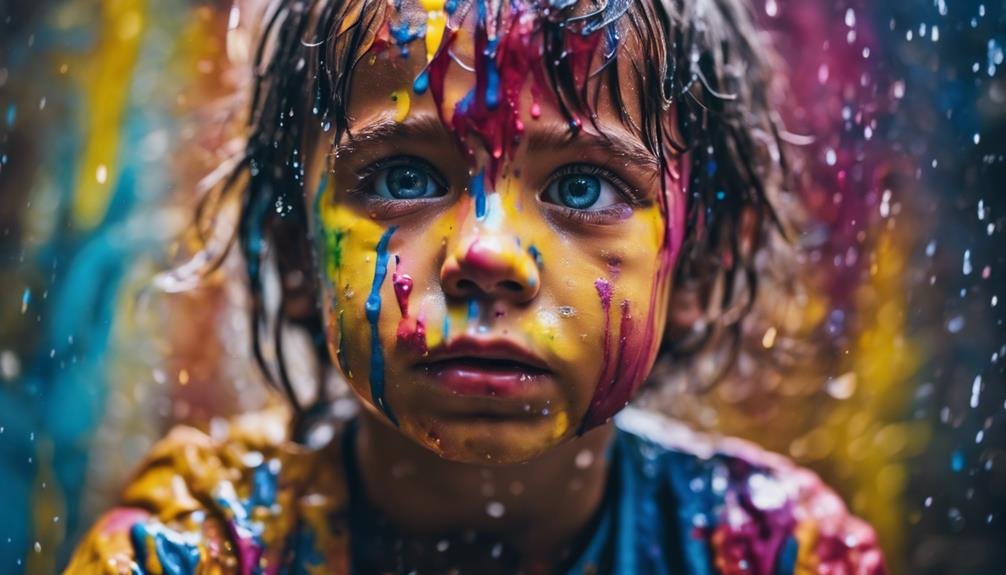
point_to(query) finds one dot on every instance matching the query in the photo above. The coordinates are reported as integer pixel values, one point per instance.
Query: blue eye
(581, 188)
(579, 191)
(407, 181)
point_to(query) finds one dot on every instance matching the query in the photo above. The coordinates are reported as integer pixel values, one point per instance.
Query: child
(487, 214)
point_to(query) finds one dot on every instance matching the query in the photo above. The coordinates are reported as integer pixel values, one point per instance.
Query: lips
(486, 368)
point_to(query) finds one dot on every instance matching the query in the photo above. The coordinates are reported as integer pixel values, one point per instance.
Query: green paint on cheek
(331, 238)
(333, 249)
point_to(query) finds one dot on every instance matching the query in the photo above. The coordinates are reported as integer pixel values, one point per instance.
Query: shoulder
(759, 512)
(222, 501)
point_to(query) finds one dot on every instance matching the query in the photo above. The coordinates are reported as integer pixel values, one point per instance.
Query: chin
(489, 440)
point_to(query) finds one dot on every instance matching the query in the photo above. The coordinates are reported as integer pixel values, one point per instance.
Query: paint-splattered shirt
(249, 502)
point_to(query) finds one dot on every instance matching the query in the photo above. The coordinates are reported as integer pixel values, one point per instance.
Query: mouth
(486, 368)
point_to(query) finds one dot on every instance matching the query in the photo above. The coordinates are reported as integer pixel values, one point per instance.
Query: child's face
(491, 306)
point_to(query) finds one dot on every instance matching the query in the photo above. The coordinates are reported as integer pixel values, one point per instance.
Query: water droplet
(830, 157)
(956, 520)
(976, 391)
(495, 509)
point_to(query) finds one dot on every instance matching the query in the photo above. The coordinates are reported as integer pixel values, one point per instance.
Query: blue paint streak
(447, 326)
(787, 557)
(492, 76)
(176, 556)
(422, 82)
(373, 311)
(403, 35)
(465, 103)
(319, 193)
(478, 191)
(265, 481)
(473, 309)
(533, 251)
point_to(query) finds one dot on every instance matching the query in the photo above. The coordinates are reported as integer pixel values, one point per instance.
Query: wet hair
(705, 84)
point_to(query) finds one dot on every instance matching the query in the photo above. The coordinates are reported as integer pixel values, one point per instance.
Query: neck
(545, 503)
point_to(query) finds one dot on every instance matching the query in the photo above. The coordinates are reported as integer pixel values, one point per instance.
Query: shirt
(247, 501)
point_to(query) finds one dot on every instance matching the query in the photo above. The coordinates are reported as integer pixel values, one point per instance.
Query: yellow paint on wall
(105, 84)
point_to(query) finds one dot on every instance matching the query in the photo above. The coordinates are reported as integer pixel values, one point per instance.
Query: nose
(491, 267)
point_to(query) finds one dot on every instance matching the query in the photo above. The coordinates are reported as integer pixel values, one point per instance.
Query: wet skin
(491, 303)
(498, 311)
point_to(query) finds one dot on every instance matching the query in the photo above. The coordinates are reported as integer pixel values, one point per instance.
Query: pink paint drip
(620, 378)
(403, 289)
(249, 551)
(411, 331)
(749, 535)
(412, 334)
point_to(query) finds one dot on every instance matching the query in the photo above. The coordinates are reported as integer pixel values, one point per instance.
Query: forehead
(487, 66)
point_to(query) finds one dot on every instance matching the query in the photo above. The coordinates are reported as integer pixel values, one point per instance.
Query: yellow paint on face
(436, 21)
(346, 269)
(338, 217)
(457, 315)
(542, 327)
(402, 104)
(560, 321)
(560, 424)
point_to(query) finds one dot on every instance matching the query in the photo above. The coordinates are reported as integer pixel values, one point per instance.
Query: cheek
(632, 299)
(349, 263)
(377, 296)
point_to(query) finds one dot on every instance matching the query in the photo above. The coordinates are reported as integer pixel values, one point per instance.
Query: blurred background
(113, 111)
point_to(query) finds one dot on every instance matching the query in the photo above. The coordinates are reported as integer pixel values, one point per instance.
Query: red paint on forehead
(507, 56)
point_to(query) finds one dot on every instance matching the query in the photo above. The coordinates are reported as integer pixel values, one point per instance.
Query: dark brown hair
(704, 83)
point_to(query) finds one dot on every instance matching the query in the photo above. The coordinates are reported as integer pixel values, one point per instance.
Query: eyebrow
(618, 144)
(386, 127)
